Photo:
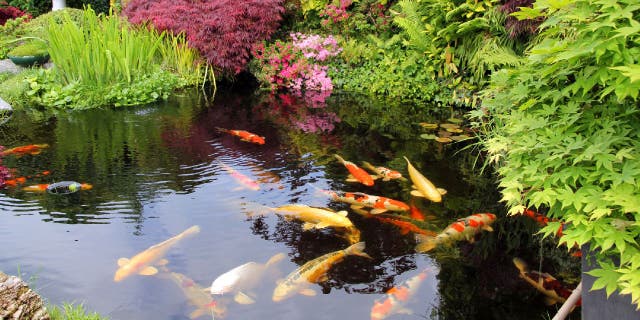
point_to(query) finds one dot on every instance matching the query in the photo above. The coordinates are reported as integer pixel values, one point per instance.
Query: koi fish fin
(377, 211)
(417, 193)
(357, 249)
(405, 311)
(322, 225)
(343, 213)
(425, 243)
(275, 259)
(521, 265)
(242, 298)
(351, 178)
(122, 262)
(323, 278)
(384, 178)
(442, 191)
(355, 206)
(162, 262)
(339, 158)
(308, 292)
(361, 211)
(148, 271)
(487, 228)
(196, 314)
(374, 177)
(308, 226)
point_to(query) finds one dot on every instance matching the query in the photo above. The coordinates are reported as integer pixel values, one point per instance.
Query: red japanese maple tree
(223, 31)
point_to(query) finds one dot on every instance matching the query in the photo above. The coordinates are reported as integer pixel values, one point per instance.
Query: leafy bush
(223, 31)
(33, 7)
(99, 6)
(10, 12)
(565, 132)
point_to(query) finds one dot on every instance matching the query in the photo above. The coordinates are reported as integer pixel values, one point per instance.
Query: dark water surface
(158, 170)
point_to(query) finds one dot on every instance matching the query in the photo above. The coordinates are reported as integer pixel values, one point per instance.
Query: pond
(161, 169)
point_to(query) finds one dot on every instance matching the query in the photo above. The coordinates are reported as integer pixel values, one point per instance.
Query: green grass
(69, 311)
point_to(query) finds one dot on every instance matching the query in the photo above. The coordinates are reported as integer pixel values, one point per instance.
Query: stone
(18, 301)
(5, 106)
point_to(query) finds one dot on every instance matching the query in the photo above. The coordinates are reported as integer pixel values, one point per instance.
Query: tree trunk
(58, 4)
(18, 302)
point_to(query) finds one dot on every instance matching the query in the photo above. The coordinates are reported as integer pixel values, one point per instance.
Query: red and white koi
(397, 297)
(385, 173)
(551, 287)
(379, 204)
(244, 135)
(424, 187)
(357, 174)
(242, 179)
(461, 229)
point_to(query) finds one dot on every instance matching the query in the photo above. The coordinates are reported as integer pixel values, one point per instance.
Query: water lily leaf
(449, 126)
(428, 125)
(443, 139)
(455, 120)
(460, 137)
(428, 136)
(454, 130)
(443, 133)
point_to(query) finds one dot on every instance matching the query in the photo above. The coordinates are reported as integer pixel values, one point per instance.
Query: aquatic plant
(69, 311)
(563, 133)
(222, 31)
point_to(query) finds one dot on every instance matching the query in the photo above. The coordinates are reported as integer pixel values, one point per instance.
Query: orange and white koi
(385, 173)
(551, 287)
(379, 204)
(242, 179)
(142, 262)
(243, 279)
(461, 229)
(62, 187)
(357, 174)
(397, 297)
(424, 187)
(196, 296)
(31, 149)
(244, 135)
(314, 271)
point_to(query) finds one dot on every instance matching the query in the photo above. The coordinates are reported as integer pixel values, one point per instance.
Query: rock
(18, 302)
(7, 66)
(5, 106)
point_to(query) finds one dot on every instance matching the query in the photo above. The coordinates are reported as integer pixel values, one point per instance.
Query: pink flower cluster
(296, 65)
(333, 14)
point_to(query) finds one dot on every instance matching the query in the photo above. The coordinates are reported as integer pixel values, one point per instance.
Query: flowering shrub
(9, 12)
(296, 65)
(333, 15)
(223, 31)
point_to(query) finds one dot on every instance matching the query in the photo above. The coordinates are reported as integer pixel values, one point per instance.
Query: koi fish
(243, 278)
(551, 287)
(62, 187)
(542, 220)
(314, 271)
(242, 179)
(404, 225)
(142, 262)
(415, 213)
(15, 182)
(424, 187)
(31, 149)
(36, 188)
(379, 204)
(317, 218)
(385, 173)
(397, 297)
(357, 174)
(465, 228)
(196, 296)
(244, 135)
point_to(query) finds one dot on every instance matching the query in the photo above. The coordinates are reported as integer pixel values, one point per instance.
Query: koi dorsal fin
(122, 262)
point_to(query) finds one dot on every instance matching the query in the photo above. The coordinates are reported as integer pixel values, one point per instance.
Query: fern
(411, 22)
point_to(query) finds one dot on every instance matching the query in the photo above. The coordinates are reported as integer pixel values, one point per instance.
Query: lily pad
(443, 139)
(449, 126)
(460, 137)
(428, 125)
(454, 130)
(428, 136)
(443, 133)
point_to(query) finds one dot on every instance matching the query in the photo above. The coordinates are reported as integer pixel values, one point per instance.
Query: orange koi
(15, 182)
(405, 226)
(31, 149)
(542, 220)
(464, 228)
(414, 212)
(359, 200)
(551, 287)
(244, 135)
(397, 297)
(385, 173)
(36, 188)
(357, 174)
(242, 179)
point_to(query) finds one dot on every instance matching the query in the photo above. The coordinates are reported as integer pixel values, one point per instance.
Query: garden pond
(157, 170)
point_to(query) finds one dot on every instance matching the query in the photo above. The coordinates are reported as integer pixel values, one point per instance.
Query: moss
(13, 89)
(32, 48)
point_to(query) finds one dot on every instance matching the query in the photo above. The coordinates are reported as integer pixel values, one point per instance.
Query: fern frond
(410, 21)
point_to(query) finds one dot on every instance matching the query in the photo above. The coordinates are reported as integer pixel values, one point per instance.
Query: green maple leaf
(607, 278)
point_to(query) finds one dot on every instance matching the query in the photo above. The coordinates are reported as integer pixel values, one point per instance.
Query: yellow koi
(314, 271)
(424, 187)
(142, 262)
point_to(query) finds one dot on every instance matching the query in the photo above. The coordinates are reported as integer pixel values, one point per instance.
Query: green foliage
(72, 312)
(13, 88)
(184, 61)
(33, 7)
(31, 48)
(565, 131)
(8, 33)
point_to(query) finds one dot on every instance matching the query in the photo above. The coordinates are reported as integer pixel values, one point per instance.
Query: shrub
(223, 31)
(9, 12)
(32, 7)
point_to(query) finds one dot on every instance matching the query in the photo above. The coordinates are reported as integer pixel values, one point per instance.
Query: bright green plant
(72, 312)
(565, 132)
(184, 61)
(31, 48)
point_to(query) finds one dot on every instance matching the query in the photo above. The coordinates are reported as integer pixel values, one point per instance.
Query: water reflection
(159, 169)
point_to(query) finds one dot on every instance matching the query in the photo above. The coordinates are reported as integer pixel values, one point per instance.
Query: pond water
(160, 169)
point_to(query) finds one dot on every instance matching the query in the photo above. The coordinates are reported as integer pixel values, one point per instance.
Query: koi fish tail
(339, 158)
(521, 265)
(425, 243)
(275, 259)
(358, 250)
(193, 230)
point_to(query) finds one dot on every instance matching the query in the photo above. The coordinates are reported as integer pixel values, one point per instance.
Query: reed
(184, 61)
(69, 311)
(104, 51)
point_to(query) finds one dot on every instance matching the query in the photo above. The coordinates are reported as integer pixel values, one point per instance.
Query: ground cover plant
(564, 132)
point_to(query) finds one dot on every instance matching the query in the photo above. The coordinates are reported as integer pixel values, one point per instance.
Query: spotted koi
(382, 172)
(379, 204)
(461, 229)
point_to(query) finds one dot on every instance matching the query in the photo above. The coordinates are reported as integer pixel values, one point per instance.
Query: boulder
(18, 302)
(5, 106)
